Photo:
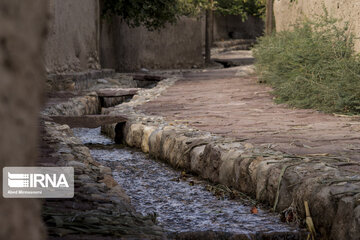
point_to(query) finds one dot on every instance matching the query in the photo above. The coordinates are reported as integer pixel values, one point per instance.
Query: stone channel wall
(281, 180)
(23, 28)
(100, 205)
(130, 49)
(287, 13)
(73, 36)
(254, 171)
(77, 106)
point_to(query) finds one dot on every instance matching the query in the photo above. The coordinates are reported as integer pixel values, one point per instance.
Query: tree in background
(155, 14)
(270, 18)
(243, 8)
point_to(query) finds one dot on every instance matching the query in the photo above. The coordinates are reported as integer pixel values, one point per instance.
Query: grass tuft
(312, 66)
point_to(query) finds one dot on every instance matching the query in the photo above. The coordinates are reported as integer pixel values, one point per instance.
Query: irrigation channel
(181, 202)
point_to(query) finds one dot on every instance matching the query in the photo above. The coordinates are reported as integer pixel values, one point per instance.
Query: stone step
(117, 92)
(234, 62)
(233, 43)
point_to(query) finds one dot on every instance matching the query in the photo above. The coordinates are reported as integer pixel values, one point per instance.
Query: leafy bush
(155, 14)
(312, 66)
(244, 8)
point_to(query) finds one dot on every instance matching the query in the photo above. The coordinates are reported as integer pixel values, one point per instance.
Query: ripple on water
(179, 206)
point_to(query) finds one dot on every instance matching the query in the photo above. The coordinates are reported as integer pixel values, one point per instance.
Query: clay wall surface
(287, 13)
(73, 39)
(130, 49)
(23, 31)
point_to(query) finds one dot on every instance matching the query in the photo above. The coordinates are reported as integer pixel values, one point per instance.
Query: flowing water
(181, 204)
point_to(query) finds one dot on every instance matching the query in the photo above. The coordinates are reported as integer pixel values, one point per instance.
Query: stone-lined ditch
(180, 202)
(284, 181)
(193, 212)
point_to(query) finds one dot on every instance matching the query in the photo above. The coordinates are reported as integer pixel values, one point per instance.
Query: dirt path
(231, 103)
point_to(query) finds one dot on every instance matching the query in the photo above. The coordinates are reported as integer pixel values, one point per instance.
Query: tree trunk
(208, 33)
(270, 23)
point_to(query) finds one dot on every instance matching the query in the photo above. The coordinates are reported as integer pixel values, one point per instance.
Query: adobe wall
(23, 30)
(287, 13)
(73, 38)
(130, 49)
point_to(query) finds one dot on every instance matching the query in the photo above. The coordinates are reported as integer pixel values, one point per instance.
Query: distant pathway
(231, 103)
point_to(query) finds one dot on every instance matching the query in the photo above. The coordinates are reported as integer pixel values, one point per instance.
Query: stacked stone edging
(100, 205)
(78, 106)
(269, 176)
(281, 180)
(254, 171)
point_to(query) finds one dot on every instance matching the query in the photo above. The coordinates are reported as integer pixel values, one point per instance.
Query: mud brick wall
(23, 30)
(287, 13)
(129, 49)
(233, 27)
(73, 39)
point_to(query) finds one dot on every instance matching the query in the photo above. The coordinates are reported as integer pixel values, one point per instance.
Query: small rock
(109, 181)
(84, 178)
(99, 198)
(91, 220)
(67, 157)
(102, 81)
(248, 146)
(119, 192)
(76, 164)
(90, 188)
(105, 170)
(62, 127)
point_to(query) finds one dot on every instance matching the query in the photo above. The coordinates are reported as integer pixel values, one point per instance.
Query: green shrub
(312, 66)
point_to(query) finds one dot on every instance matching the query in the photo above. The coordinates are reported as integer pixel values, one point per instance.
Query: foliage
(155, 14)
(312, 66)
(241, 7)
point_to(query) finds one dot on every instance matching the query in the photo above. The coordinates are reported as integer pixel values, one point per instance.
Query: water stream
(181, 204)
